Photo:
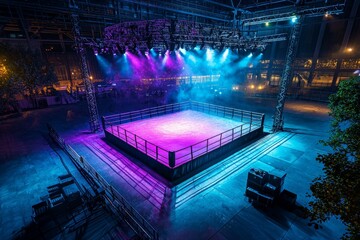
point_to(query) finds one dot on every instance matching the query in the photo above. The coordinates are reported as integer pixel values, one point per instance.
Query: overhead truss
(174, 34)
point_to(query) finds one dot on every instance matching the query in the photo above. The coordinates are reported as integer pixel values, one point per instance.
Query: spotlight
(183, 50)
(293, 19)
(267, 24)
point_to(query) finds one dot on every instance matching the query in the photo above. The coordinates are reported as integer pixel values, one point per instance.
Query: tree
(337, 192)
(22, 71)
(10, 81)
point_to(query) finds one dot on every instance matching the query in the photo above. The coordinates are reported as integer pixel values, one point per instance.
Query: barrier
(115, 200)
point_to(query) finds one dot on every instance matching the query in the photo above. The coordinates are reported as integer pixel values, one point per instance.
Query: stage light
(250, 55)
(293, 19)
(183, 50)
(349, 49)
(267, 24)
(327, 14)
(252, 86)
(96, 52)
(152, 52)
(209, 54)
(225, 55)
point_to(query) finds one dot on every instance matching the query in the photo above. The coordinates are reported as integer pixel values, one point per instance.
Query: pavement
(209, 205)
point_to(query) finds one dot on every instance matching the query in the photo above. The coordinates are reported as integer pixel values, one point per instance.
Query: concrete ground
(209, 205)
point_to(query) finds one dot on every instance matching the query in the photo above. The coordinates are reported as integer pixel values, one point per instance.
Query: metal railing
(250, 122)
(116, 201)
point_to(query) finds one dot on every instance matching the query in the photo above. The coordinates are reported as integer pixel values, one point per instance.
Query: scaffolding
(286, 76)
(89, 88)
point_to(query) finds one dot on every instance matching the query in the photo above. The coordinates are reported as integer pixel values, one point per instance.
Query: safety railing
(116, 201)
(250, 122)
(189, 153)
(150, 149)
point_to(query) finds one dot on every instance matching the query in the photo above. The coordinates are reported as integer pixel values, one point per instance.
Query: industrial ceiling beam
(228, 6)
(175, 9)
(309, 12)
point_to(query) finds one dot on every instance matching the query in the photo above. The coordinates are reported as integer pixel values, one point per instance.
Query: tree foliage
(337, 192)
(23, 71)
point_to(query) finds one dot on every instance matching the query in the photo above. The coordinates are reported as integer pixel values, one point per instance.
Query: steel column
(287, 75)
(89, 88)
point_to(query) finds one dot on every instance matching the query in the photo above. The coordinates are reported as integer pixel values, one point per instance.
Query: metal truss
(170, 35)
(310, 12)
(287, 75)
(89, 88)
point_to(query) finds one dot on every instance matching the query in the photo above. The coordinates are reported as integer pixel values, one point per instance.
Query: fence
(251, 121)
(116, 201)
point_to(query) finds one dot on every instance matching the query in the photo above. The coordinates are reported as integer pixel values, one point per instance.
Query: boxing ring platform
(178, 140)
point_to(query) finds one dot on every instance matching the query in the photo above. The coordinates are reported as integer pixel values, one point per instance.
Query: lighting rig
(162, 35)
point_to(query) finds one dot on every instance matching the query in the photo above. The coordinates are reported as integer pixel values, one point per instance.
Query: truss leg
(89, 88)
(278, 123)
